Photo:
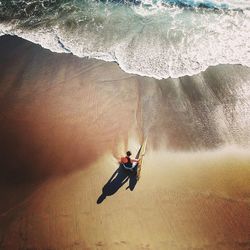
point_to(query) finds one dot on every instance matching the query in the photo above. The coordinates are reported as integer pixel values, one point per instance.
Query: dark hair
(128, 153)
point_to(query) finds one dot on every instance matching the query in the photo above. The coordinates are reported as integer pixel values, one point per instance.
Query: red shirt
(124, 160)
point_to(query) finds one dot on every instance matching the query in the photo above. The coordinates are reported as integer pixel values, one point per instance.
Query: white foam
(170, 43)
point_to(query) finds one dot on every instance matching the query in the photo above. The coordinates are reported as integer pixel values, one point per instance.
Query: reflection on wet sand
(65, 120)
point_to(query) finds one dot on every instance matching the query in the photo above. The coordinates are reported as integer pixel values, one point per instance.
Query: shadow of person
(117, 180)
(132, 181)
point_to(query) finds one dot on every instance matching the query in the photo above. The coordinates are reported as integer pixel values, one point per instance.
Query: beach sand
(64, 122)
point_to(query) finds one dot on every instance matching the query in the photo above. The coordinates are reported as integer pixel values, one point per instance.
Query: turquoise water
(148, 37)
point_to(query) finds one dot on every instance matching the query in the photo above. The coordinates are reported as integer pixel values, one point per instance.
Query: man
(127, 162)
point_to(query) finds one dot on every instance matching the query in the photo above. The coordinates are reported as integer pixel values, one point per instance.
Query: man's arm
(134, 160)
(120, 160)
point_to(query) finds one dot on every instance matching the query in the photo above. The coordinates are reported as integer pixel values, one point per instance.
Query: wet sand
(65, 120)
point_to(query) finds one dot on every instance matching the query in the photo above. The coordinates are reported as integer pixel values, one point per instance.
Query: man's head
(128, 153)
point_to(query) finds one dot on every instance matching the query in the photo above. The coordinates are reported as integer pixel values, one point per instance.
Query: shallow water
(152, 38)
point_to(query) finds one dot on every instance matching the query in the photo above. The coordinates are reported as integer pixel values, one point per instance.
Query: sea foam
(157, 39)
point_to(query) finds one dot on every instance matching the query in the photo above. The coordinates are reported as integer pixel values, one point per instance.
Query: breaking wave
(157, 38)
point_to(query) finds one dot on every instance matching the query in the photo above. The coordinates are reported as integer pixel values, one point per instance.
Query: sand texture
(64, 122)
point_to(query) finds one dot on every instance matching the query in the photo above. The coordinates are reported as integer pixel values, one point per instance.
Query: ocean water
(157, 38)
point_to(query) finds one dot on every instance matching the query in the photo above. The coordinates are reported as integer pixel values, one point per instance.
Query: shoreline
(123, 68)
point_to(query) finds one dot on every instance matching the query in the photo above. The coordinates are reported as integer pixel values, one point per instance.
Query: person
(127, 162)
